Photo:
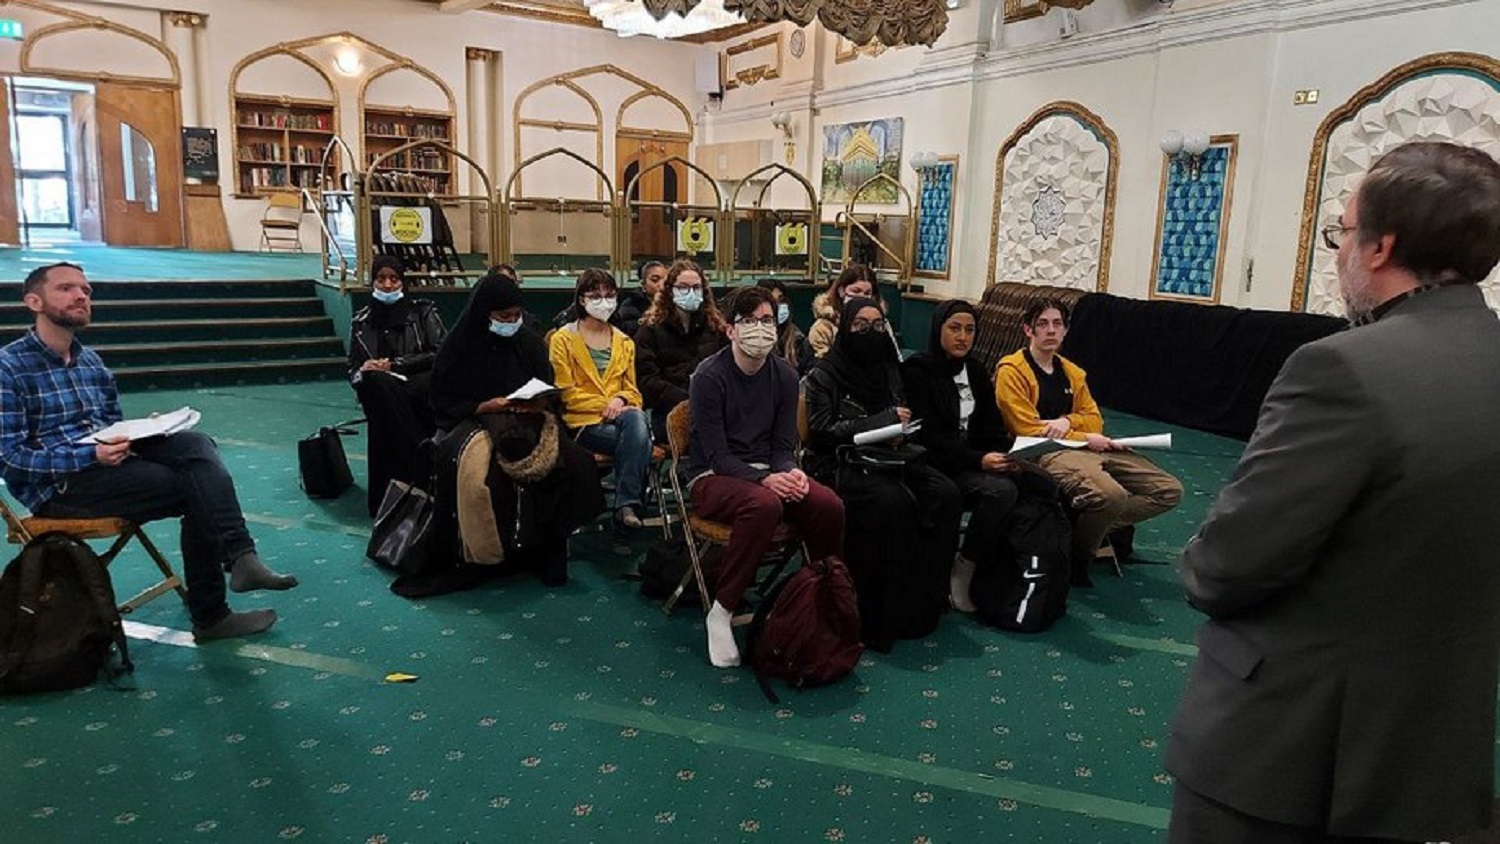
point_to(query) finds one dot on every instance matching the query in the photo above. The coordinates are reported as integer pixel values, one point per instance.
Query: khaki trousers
(1109, 489)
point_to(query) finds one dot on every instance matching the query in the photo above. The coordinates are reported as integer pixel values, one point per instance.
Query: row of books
(434, 131)
(272, 152)
(286, 120)
(417, 159)
(277, 177)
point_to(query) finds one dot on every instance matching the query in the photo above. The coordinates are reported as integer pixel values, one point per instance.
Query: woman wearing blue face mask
(792, 345)
(392, 344)
(510, 485)
(682, 328)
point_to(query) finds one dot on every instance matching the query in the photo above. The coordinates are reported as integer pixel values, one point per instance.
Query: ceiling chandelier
(662, 18)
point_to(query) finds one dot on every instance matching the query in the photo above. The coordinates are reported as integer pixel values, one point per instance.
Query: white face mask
(755, 340)
(783, 313)
(600, 309)
(389, 297)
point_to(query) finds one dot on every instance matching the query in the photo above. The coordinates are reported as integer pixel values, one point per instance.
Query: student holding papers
(392, 344)
(55, 394)
(1043, 394)
(901, 514)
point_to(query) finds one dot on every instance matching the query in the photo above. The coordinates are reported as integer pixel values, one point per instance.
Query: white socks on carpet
(958, 584)
(722, 651)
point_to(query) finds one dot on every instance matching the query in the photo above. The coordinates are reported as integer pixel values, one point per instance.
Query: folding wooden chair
(281, 223)
(22, 529)
(704, 533)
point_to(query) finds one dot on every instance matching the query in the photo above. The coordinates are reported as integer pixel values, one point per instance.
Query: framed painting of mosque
(854, 153)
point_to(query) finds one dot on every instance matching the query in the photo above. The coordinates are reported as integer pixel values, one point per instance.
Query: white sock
(722, 651)
(958, 584)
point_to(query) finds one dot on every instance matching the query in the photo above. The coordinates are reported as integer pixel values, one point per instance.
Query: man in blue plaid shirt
(54, 393)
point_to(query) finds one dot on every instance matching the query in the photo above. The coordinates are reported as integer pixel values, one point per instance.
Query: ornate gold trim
(843, 53)
(1111, 143)
(77, 21)
(1233, 142)
(756, 73)
(478, 54)
(584, 19)
(622, 129)
(1312, 190)
(917, 221)
(1020, 10)
(567, 80)
(187, 20)
(563, 80)
(287, 48)
(399, 63)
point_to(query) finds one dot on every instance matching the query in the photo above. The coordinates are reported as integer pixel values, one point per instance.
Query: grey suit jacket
(1346, 678)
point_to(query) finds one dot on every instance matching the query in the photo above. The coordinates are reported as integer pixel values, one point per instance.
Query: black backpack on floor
(57, 617)
(1027, 588)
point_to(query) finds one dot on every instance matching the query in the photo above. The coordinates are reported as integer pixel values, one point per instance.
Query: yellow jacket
(1016, 391)
(585, 391)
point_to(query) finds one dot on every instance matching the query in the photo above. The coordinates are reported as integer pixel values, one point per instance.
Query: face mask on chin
(600, 309)
(387, 297)
(755, 340)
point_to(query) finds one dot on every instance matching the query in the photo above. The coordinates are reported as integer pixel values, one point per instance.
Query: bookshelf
(388, 128)
(279, 143)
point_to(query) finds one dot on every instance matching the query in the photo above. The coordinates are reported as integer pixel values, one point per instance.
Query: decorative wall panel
(935, 219)
(1447, 97)
(1053, 217)
(1192, 225)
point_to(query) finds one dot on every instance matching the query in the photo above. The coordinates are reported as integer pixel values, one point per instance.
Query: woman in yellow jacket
(594, 364)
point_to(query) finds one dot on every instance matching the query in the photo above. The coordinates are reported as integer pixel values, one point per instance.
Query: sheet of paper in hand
(1030, 448)
(160, 424)
(534, 389)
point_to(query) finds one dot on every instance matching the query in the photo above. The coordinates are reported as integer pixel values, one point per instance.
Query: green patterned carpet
(583, 713)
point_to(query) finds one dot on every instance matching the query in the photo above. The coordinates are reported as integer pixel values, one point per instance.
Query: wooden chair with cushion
(703, 533)
(22, 529)
(281, 223)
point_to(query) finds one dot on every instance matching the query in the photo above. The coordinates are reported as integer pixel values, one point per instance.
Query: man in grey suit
(1346, 680)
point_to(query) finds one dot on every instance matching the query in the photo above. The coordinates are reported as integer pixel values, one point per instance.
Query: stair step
(16, 314)
(189, 376)
(105, 291)
(168, 331)
(221, 351)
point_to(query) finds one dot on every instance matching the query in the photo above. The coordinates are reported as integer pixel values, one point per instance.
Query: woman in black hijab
(392, 343)
(964, 435)
(901, 515)
(509, 488)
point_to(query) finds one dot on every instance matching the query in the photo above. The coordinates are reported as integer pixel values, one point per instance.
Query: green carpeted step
(106, 291)
(176, 331)
(197, 375)
(16, 314)
(219, 351)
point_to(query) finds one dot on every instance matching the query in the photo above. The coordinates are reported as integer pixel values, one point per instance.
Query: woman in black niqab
(476, 364)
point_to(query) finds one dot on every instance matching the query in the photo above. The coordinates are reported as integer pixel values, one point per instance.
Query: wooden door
(653, 230)
(10, 217)
(140, 164)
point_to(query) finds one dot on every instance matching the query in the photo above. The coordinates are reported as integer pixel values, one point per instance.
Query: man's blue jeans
(179, 475)
(628, 440)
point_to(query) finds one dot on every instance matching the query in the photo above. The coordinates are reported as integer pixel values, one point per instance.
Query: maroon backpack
(807, 629)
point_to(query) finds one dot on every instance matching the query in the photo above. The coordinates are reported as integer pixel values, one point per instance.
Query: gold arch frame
(723, 223)
(567, 80)
(286, 48)
(846, 220)
(1379, 89)
(814, 210)
(1101, 130)
(76, 21)
(512, 194)
(365, 204)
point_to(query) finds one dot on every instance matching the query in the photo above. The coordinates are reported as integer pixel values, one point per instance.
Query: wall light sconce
(782, 120)
(923, 162)
(347, 62)
(1186, 150)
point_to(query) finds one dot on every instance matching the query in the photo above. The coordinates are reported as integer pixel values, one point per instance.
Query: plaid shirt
(45, 407)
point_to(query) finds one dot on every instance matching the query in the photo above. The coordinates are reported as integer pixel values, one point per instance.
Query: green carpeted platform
(583, 713)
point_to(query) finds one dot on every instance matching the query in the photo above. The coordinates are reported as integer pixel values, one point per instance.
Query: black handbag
(403, 526)
(322, 462)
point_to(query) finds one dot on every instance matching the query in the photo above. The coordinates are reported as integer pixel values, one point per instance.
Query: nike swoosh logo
(1030, 576)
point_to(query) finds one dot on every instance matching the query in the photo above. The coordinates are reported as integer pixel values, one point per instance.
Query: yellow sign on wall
(791, 239)
(695, 235)
(405, 225)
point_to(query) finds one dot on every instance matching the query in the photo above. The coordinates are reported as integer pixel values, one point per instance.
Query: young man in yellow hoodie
(1042, 394)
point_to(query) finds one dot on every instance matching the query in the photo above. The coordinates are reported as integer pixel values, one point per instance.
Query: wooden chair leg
(1107, 551)
(172, 579)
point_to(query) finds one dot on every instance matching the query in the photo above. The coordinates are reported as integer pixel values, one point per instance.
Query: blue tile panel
(935, 218)
(1190, 228)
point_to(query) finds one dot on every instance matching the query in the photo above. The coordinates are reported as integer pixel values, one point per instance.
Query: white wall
(1145, 68)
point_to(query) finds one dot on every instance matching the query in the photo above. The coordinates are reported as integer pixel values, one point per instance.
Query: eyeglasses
(596, 295)
(768, 321)
(860, 326)
(687, 287)
(1333, 234)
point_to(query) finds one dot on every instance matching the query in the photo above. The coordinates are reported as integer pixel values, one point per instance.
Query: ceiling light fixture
(662, 18)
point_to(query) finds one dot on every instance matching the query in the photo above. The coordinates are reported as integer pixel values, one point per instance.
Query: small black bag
(1027, 590)
(667, 562)
(321, 459)
(403, 525)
